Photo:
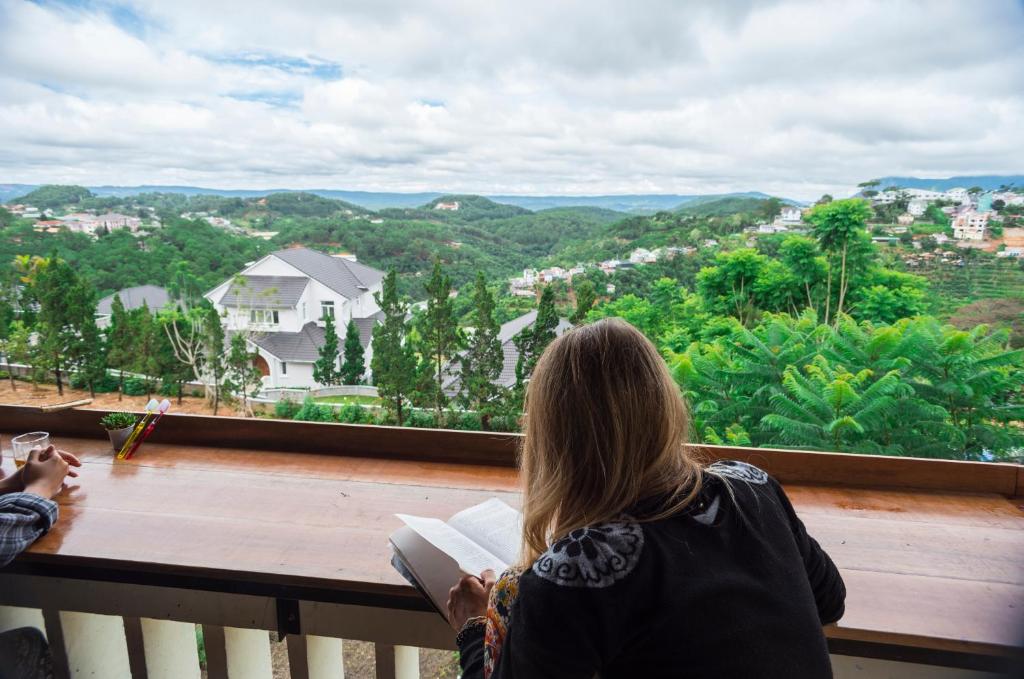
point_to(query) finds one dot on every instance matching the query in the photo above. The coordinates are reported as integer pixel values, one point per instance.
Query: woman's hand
(468, 598)
(44, 473)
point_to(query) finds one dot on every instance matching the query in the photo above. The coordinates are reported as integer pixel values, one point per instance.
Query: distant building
(917, 207)
(957, 195)
(281, 300)
(791, 214)
(970, 225)
(113, 221)
(453, 206)
(905, 219)
(151, 296)
(642, 256)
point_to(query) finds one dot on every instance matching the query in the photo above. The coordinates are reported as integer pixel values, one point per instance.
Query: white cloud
(790, 97)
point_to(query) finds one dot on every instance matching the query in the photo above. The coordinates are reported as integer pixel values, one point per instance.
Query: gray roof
(153, 296)
(304, 346)
(283, 292)
(347, 278)
(506, 335)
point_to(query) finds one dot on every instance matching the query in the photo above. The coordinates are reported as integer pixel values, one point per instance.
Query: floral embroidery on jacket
(594, 556)
(499, 613)
(739, 470)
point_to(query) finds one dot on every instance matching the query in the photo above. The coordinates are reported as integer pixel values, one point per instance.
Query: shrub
(136, 386)
(421, 419)
(311, 411)
(354, 413)
(118, 420)
(105, 385)
(286, 409)
(467, 421)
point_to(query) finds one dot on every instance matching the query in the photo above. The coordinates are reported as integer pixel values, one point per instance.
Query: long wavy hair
(605, 428)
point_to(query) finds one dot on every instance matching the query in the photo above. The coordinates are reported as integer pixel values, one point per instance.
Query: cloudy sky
(531, 96)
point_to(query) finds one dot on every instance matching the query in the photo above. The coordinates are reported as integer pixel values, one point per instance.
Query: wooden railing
(188, 533)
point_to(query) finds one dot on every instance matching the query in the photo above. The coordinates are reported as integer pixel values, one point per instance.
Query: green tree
(532, 341)
(91, 359)
(7, 318)
(481, 363)
(213, 352)
(242, 376)
(18, 347)
(440, 339)
(120, 342)
(173, 372)
(803, 259)
(586, 296)
(839, 228)
(325, 369)
(354, 366)
(64, 304)
(393, 363)
(145, 362)
(728, 287)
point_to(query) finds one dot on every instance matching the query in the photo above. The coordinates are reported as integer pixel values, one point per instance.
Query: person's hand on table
(44, 473)
(468, 598)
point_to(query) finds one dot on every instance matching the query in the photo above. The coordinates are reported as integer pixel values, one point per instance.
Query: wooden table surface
(928, 570)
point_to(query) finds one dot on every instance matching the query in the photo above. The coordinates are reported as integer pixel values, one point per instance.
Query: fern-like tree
(393, 363)
(803, 259)
(325, 369)
(354, 365)
(481, 363)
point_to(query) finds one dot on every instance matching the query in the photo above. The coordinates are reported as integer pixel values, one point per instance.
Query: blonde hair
(605, 429)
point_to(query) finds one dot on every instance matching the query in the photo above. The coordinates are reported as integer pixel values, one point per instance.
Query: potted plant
(119, 427)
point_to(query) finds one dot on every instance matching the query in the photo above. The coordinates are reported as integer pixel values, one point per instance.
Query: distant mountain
(372, 200)
(720, 206)
(988, 182)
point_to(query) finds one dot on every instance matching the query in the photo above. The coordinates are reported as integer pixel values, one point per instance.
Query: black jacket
(731, 587)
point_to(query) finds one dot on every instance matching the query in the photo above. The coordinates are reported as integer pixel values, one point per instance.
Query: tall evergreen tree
(242, 375)
(146, 361)
(585, 299)
(354, 365)
(839, 227)
(480, 365)
(92, 360)
(532, 341)
(440, 338)
(393, 361)
(213, 352)
(120, 342)
(6, 337)
(325, 369)
(64, 303)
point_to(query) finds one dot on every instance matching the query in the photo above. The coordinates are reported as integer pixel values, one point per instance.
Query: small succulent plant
(118, 420)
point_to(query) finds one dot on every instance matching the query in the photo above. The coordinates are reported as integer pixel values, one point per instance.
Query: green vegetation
(118, 420)
(54, 196)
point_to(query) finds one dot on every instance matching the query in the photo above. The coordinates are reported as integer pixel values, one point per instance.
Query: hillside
(991, 182)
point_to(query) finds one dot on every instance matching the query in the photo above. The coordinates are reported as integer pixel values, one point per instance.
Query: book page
(494, 526)
(471, 557)
(433, 571)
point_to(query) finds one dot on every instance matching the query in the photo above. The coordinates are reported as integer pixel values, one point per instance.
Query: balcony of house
(244, 526)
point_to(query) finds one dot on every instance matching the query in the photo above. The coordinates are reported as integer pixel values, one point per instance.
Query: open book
(433, 554)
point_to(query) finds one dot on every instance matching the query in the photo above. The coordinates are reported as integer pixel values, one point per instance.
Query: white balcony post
(325, 659)
(13, 617)
(407, 662)
(248, 653)
(95, 645)
(171, 651)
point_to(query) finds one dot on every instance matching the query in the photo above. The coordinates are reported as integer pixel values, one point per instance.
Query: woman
(637, 560)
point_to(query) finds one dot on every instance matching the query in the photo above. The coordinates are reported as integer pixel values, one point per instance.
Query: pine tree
(120, 342)
(354, 365)
(213, 352)
(481, 363)
(242, 376)
(532, 342)
(63, 304)
(440, 338)
(325, 370)
(145, 360)
(93, 360)
(585, 299)
(393, 361)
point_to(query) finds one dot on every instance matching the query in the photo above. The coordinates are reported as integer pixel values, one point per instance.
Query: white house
(642, 256)
(957, 195)
(281, 301)
(152, 296)
(791, 214)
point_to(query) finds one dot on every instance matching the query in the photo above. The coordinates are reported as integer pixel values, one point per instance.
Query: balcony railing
(243, 526)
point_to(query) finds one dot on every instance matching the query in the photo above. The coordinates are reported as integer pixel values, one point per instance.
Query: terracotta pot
(118, 437)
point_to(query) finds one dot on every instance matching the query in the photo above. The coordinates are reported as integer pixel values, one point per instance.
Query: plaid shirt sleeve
(23, 518)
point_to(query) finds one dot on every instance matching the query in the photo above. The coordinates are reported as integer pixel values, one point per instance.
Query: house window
(263, 317)
(284, 368)
(327, 309)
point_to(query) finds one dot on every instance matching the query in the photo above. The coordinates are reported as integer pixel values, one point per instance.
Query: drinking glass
(23, 444)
